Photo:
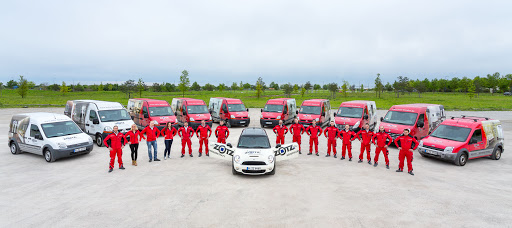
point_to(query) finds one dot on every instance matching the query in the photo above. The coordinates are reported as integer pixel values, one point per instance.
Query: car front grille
(253, 171)
(432, 148)
(253, 163)
(79, 144)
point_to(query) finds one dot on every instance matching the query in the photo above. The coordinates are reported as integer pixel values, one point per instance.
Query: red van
(192, 111)
(278, 109)
(144, 110)
(231, 110)
(420, 119)
(356, 114)
(314, 109)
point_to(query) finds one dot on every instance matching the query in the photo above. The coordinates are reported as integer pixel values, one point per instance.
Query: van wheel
(14, 148)
(462, 159)
(48, 155)
(496, 155)
(233, 169)
(99, 140)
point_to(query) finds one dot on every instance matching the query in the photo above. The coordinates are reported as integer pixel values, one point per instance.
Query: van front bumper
(269, 122)
(71, 151)
(239, 122)
(448, 156)
(253, 169)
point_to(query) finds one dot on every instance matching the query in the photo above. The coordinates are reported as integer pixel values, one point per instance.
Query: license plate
(79, 149)
(242, 122)
(268, 122)
(253, 168)
(430, 152)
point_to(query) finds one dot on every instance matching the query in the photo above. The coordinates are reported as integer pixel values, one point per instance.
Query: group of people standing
(116, 141)
(406, 143)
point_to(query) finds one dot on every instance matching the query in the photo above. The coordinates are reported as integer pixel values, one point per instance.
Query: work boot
(328, 155)
(410, 172)
(157, 160)
(150, 160)
(342, 158)
(208, 154)
(193, 155)
(135, 162)
(182, 155)
(121, 167)
(369, 162)
(360, 161)
(349, 159)
(200, 154)
(110, 170)
(387, 166)
(310, 153)
(335, 156)
(317, 154)
(300, 152)
(375, 165)
(399, 170)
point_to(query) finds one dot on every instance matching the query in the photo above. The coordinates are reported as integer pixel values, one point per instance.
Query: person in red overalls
(347, 137)
(406, 145)
(168, 132)
(331, 133)
(221, 132)
(280, 130)
(115, 143)
(203, 132)
(297, 130)
(313, 131)
(186, 133)
(382, 140)
(365, 136)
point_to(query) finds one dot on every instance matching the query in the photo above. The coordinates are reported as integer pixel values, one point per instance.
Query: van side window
(34, 130)
(144, 111)
(421, 119)
(285, 109)
(224, 108)
(92, 115)
(477, 135)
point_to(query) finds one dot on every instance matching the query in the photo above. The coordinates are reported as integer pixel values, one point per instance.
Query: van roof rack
(474, 117)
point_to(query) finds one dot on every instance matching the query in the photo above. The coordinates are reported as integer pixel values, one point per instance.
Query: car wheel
(48, 156)
(14, 148)
(99, 140)
(273, 170)
(462, 159)
(233, 169)
(496, 155)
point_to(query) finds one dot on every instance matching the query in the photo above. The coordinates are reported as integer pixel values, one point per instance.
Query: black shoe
(342, 158)
(369, 162)
(193, 155)
(122, 167)
(310, 153)
(182, 155)
(410, 172)
(399, 170)
(387, 166)
(360, 161)
(300, 152)
(328, 155)
(157, 160)
(208, 154)
(317, 154)
(335, 156)
(200, 154)
(375, 165)
(150, 160)
(349, 159)
(110, 170)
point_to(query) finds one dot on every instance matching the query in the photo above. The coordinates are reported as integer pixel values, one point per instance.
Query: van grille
(79, 144)
(432, 148)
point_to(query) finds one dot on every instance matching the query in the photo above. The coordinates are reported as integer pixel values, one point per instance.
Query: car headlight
(317, 119)
(271, 159)
(236, 158)
(107, 129)
(175, 120)
(191, 119)
(261, 116)
(448, 149)
(278, 117)
(232, 116)
(357, 124)
(90, 140)
(62, 145)
(298, 118)
(421, 143)
(210, 117)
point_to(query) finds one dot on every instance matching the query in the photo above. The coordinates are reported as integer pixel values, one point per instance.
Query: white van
(98, 118)
(52, 135)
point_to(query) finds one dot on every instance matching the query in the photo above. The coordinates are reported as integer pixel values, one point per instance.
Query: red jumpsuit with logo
(222, 133)
(331, 133)
(406, 143)
(185, 135)
(347, 138)
(116, 142)
(313, 132)
(366, 139)
(203, 133)
(280, 131)
(297, 130)
(381, 140)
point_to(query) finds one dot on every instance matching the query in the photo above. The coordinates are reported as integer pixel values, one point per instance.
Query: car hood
(122, 125)
(202, 116)
(162, 120)
(72, 139)
(240, 114)
(257, 154)
(395, 128)
(270, 114)
(307, 116)
(441, 143)
(346, 120)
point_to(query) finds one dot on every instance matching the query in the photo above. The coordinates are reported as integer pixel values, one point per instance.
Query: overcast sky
(225, 41)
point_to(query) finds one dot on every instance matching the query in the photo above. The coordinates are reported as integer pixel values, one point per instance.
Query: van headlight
(261, 116)
(90, 140)
(278, 117)
(175, 120)
(298, 118)
(62, 145)
(192, 119)
(107, 129)
(232, 116)
(210, 117)
(271, 159)
(357, 124)
(448, 149)
(236, 158)
(421, 143)
(317, 119)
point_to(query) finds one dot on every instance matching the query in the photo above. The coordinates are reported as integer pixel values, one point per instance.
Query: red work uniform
(366, 139)
(115, 141)
(222, 133)
(297, 130)
(313, 132)
(186, 134)
(347, 138)
(406, 143)
(169, 134)
(203, 133)
(331, 133)
(134, 137)
(280, 131)
(382, 140)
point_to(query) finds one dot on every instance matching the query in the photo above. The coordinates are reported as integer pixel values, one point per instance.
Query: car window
(34, 130)
(144, 110)
(477, 135)
(421, 119)
(92, 115)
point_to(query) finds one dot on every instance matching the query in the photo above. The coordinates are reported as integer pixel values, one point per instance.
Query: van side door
(476, 145)
(421, 126)
(144, 118)
(34, 140)
(285, 113)
(92, 122)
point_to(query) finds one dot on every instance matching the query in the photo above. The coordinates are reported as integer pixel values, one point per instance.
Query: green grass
(451, 101)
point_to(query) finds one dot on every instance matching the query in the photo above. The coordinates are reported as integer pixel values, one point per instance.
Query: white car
(253, 154)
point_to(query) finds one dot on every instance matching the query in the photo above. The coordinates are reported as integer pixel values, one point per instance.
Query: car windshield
(236, 107)
(404, 118)
(160, 111)
(310, 110)
(454, 133)
(60, 129)
(114, 115)
(273, 108)
(197, 109)
(253, 142)
(350, 112)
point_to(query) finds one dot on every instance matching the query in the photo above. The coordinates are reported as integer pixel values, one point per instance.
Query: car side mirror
(297, 112)
(210, 111)
(247, 109)
(95, 121)
(146, 115)
(175, 113)
(229, 145)
(472, 141)
(382, 119)
(278, 145)
(132, 117)
(261, 110)
(365, 117)
(38, 136)
(420, 124)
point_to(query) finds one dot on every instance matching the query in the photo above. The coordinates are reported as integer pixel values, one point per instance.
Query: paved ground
(202, 192)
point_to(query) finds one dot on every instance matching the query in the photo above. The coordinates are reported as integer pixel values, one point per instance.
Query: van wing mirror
(95, 121)
(38, 136)
(146, 115)
(261, 110)
(229, 145)
(278, 145)
(297, 112)
(247, 109)
(381, 119)
(365, 117)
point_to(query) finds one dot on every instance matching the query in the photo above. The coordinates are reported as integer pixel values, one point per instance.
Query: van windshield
(236, 107)
(273, 108)
(160, 111)
(404, 118)
(350, 112)
(316, 110)
(60, 129)
(253, 142)
(197, 109)
(114, 115)
(454, 133)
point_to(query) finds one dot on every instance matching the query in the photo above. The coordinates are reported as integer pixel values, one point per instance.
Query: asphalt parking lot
(308, 191)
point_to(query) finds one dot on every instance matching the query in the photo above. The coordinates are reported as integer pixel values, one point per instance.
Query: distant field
(451, 101)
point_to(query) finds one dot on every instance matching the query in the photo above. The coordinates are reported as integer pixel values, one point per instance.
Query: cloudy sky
(226, 41)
